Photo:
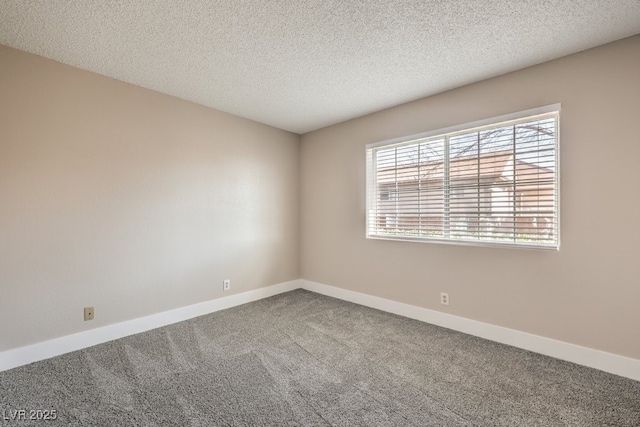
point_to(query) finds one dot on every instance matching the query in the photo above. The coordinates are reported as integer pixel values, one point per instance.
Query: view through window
(494, 184)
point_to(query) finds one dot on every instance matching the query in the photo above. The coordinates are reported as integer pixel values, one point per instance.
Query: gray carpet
(304, 359)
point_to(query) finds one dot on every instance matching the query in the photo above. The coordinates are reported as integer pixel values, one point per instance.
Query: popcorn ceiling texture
(305, 64)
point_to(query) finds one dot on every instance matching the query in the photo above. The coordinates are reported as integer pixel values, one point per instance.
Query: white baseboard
(44, 350)
(608, 362)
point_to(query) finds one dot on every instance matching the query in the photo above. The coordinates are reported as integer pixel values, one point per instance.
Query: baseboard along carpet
(303, 359)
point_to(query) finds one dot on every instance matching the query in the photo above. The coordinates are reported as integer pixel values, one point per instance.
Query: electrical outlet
(226, 284)
(89, 313)
(444, 298)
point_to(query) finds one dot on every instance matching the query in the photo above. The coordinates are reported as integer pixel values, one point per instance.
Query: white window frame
(372, 193)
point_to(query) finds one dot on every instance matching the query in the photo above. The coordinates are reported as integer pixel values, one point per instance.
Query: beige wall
(136, 203)
(131, 201)
(588, 293)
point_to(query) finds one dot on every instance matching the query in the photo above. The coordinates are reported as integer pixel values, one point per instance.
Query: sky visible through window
(535, 145)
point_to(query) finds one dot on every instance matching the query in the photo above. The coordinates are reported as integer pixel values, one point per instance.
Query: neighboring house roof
(492, 166)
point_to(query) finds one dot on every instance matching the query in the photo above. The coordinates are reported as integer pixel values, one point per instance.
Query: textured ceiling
(304, 64)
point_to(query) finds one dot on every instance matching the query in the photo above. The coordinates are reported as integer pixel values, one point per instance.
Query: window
(491, 183)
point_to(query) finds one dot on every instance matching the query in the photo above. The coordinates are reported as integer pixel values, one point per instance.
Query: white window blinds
(496, 184)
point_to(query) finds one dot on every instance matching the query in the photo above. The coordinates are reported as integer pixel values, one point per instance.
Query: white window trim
(449, 131)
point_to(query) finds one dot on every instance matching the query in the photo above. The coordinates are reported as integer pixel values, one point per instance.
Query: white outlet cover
(444, 298)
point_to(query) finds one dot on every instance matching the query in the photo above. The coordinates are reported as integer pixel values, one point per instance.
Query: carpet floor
(303, 359)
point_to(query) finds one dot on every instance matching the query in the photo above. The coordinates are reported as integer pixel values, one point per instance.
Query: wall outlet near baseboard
(89, 313)
(226, 284)
(444, 298)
